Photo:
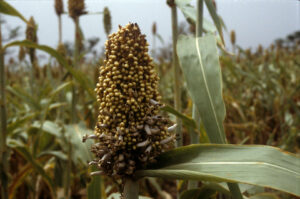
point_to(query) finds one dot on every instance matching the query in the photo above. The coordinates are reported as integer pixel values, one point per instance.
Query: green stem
(199, 21)
(235, 191)
(68, 170)
(61, 95)
(3, 151)
(76, 56)
(193, 134)
(177, 83)
(59, 29)
(131, 189)
(154, 46)
(176, 69)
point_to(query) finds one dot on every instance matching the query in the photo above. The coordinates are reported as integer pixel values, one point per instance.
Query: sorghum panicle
(232, 37)
(129, 132)
(59, 7)
(76, 8)
(154, 28)
(61, 50)
(31, 36)
(107, 20)
(22, 52)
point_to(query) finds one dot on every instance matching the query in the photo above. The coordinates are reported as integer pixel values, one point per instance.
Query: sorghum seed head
(107, 20)
(128, 127)
(154, 28)
(21, 53)
(232, 37)
(76, 8)
(266, 55)
(31, 36)
(260, 49)
(59, 7)
(31, 30)
(61, 49)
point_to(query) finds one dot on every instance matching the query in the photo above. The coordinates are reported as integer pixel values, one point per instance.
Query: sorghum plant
(130, 132)
(59, 9)
(32, 36)
(76, 9)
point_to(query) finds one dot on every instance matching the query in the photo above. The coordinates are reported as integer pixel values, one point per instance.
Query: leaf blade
(187, 120)
(217, 20)
(256, 165)
(189, 13)
(200, 65)
(6, 8)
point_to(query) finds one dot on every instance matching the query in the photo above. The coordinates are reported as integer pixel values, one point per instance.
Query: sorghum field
(189, 120)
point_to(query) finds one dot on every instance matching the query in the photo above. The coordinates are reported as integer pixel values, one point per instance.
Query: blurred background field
(261, 89)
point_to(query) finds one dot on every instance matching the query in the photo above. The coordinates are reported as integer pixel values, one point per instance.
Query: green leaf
(94, 188)
(217, 21)
(57, 105)
(19, 122)
(60, 88)
(189, 13)
(6, 8)
(26, 97)
(79, 76)
(49, 127)
(159, 38)
(185, 119)
(256, 165)
(80, 151)
(200, 65)
(58, 154)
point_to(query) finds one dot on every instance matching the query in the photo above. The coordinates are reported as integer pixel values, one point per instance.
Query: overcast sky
(255, 21)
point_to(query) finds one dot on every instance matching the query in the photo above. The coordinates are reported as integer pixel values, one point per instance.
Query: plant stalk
(59, 29)
(76, 56)
(154, 46)
(67, 173)
(194, 137)
(61, 95)
(235, 191)
(192, 184)
(131, 189)
(177, 83)
(199, 20)
(177, 78)
(3, 150)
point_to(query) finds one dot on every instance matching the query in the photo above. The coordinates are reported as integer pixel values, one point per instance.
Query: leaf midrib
(234, 163)
(207, 89)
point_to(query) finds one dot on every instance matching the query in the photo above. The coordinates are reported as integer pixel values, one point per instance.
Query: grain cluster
(130, 132)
